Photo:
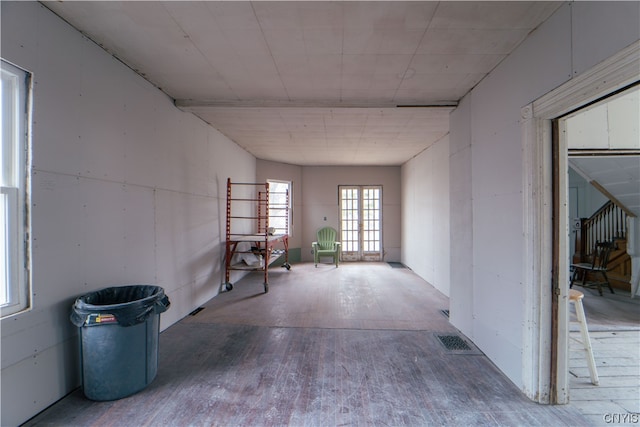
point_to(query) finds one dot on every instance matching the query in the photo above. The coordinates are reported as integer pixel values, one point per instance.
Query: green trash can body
(119, 339)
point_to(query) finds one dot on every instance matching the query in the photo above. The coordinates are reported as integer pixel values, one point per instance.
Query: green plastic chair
(326, 245)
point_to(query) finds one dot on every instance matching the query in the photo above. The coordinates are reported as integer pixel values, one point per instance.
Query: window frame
(290, 207)
(15, 294)
(357, 228)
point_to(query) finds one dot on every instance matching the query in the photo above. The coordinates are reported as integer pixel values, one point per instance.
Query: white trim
(15, 189)
(537, 245)
(562, 361)
(615, 73)
(608, 76)
(289, 184)
(361, 254)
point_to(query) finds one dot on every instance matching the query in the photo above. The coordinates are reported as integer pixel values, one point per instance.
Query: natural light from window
(280, 206)
(14, 93)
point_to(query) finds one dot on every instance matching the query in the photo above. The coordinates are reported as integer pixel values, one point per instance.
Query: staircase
(609, 223)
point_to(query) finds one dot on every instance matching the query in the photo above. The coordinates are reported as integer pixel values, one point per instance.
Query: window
(14, 269)
(280, 206)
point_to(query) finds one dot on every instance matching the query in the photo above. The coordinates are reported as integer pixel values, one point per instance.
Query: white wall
(315, 195)
(612, 125)
(589, 198)
(320, 200)
(461, 219)
(578, 36)
(425, 215)
(126, 189)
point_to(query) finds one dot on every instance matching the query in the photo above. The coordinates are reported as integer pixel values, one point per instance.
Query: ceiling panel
(471, 41)
(289, 41)
(239, 15)
(619, 175)
(272, 75)
(491, 14)
(454, 63)
(279, 133)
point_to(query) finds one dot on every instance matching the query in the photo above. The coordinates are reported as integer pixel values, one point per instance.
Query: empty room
(360, 213)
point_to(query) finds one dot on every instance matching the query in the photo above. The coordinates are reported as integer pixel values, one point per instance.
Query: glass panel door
(361, 223)
(371, 224)
(350, 223)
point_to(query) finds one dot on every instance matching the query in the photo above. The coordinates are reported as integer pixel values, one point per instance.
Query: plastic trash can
(119, 335)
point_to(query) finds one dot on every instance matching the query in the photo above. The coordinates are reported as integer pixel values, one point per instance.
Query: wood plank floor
(357, 345)
(614, 328)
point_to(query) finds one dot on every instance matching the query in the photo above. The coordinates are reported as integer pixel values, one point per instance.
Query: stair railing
(607, 224)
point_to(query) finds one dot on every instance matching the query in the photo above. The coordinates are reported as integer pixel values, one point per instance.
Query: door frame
(546, 311)
(362, 255)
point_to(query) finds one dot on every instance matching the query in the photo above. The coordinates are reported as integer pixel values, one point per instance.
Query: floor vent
(453, 342)
(445, 313)
(196, 311)
(394, 264)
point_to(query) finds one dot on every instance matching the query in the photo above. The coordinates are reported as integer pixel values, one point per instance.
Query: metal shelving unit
(248, 232)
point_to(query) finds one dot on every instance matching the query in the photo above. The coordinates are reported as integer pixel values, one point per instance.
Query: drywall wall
(315, 197)
(461, 218)
(126, 189)
(320, 200)
(611, 125)
(590, 199)
(425, 215)
(578, 36)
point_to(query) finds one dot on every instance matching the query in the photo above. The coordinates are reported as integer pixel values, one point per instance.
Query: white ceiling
(314, 83)
(604, 146)
(619, 175)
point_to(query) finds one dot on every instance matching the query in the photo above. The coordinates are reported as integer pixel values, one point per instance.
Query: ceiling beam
(198, 105)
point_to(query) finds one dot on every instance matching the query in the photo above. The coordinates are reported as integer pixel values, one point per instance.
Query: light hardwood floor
(357, 345)
(614, 328)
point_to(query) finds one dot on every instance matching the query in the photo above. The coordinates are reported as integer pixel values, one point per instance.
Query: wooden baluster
(611, 232)
(581, 241)
(609, 235)
(589, 235)
(607, 224)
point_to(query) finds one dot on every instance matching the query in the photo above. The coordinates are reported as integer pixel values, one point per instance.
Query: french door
(361, 222)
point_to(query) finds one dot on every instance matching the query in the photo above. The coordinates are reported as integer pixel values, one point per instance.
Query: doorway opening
(546, 221)
(361, 222)
(597, 168)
